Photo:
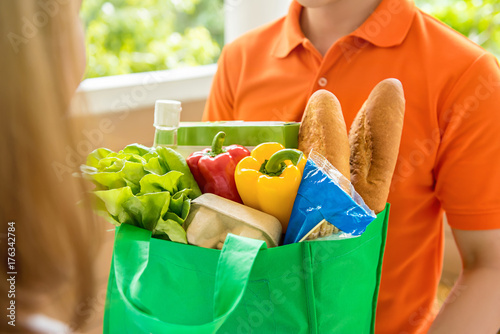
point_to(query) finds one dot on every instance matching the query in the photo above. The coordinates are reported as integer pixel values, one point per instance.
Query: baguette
(323, 130)
(374, 140)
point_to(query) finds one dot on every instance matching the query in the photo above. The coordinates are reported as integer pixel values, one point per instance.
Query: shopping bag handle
(233, 273)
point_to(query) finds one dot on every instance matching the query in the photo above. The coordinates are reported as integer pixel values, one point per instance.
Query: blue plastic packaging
(321, 195)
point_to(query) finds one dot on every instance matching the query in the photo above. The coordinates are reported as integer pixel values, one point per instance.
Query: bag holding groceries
(287, 238)
(307, 287)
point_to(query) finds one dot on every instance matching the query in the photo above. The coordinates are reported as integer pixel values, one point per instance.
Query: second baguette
(374, 138)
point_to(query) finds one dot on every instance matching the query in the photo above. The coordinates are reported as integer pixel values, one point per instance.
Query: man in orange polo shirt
(449, 157)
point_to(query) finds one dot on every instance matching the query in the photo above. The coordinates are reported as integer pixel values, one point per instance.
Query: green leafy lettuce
(147, 187)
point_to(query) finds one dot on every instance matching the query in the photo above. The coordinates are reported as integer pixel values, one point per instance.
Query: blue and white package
(324, 195)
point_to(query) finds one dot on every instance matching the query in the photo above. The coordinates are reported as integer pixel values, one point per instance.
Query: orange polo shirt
(449, 158)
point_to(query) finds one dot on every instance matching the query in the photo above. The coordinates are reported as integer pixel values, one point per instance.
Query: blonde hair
(55, 241)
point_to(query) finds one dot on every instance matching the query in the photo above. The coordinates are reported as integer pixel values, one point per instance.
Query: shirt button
(322, 81)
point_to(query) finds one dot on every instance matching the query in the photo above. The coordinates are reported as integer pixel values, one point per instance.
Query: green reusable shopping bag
(157, 286)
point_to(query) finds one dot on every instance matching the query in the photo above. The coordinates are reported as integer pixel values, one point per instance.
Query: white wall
(243, 15)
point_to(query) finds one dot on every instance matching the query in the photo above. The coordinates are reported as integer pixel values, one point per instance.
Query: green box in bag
(238, 132)
(195, 136)
(157, 286)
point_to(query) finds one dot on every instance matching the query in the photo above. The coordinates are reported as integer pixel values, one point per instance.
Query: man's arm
(473, 305)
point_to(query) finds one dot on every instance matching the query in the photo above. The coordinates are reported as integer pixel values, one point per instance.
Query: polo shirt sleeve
(220, 102)
(467, 170)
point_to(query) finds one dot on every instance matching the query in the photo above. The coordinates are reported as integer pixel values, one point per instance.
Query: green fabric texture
(157, 286)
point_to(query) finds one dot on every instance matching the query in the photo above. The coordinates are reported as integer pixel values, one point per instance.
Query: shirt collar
(387, 26)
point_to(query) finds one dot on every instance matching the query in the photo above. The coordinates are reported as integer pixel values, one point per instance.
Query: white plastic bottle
(166, 122)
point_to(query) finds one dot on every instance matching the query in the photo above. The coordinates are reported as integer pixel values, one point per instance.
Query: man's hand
(473, 305)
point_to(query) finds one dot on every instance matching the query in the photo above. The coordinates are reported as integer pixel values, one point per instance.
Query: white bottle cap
(167, 113)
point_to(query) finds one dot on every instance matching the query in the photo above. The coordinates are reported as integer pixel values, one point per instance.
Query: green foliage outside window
(477, 19)
(129, 36)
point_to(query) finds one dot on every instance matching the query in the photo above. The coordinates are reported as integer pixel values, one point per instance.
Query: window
(130, 36)
(477, 19)
(167, 41)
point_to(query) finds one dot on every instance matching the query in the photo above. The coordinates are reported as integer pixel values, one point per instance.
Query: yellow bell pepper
(269, 178)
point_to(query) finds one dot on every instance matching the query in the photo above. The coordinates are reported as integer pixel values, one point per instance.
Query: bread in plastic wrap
(327, 206)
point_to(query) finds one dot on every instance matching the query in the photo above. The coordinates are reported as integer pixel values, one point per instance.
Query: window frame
(140, 90)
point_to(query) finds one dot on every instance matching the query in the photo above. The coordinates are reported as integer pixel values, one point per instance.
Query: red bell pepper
(213, 168)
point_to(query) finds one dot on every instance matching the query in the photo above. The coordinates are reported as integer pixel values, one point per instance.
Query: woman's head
(41, 64)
